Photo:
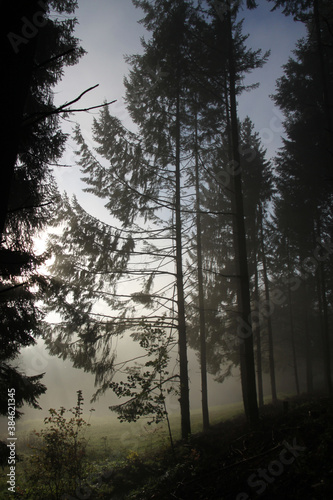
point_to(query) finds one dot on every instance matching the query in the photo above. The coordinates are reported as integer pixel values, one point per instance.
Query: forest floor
(289, 455)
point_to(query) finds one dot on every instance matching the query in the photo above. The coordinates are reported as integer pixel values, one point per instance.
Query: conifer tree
(303, 168)
(318, 16)
(36, 48)
(146, 176)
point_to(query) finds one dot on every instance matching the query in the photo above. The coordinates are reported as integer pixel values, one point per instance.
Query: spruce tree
(304, 173)
(36, 47)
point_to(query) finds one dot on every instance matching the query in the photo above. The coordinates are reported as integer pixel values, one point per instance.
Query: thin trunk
(269, 320)
(244, 304)
(167, 416)
(292, 329)
(257, 336)
(233, 209)
(325, 329)
(292, 338)
(182, 343)
(308, 347)
(323, 310)
(203, 355)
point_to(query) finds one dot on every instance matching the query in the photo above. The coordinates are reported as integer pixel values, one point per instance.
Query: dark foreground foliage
(233, 461)
(289, 455)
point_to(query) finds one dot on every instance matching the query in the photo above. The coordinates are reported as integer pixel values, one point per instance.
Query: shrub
(57, 464)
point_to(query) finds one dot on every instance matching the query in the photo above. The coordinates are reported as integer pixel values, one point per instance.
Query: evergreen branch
(44, 161)
(207, 212)
(29, 207)
(130, 296)
(131, 231)
(153, 254)
(217, 273)
(169, 206)
(124, 322)
(212, 176)
(54, 58)
(126, 271)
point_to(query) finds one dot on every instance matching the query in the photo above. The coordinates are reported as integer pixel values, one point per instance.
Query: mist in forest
(166, 245)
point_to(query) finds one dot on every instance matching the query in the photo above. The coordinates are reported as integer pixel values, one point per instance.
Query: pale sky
(109, 29)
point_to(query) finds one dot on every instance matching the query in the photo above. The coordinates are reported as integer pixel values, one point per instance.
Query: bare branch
(63, 109)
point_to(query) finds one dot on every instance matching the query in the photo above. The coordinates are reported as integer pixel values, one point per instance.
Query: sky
(108, 30)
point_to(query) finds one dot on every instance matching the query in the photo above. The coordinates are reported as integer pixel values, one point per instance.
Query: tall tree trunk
(243, 293)
(257, 333)
(269, 319)
(292, 328)
(203, 355)
(325, 328)
(292, 339)
(323, 310)
(308, 346)
(182, 342)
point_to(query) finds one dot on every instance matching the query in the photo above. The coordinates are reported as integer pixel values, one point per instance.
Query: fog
(62, 382)
(108, 32)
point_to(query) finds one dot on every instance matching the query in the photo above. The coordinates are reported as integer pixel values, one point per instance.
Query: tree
(144, 176)
(36, 48)
(146, 170)
(246, 349)
(319, 14)
(90, 258)
(307, 191)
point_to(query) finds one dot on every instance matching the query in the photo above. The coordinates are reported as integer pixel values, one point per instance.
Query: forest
(208, 247)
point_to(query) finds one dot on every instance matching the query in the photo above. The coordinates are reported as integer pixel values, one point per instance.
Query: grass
(128, 446)
(228, 461)
(108, 437)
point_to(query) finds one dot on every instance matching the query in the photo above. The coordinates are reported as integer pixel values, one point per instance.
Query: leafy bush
(58, 462)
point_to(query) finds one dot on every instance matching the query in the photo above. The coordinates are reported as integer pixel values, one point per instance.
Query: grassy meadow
(109, 440)
(107, 437)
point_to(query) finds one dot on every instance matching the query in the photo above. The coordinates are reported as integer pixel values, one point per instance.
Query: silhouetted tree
(318, 16)
(36, 47)
(303, 206)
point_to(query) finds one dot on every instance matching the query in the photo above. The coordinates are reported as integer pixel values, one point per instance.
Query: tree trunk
(257, 334)
(325, 328)
(269, 319)
(292, 338)
(323, 311)
(308, 347)
(292, 328)
(243, 292)
(203, 356)
(182, 343)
